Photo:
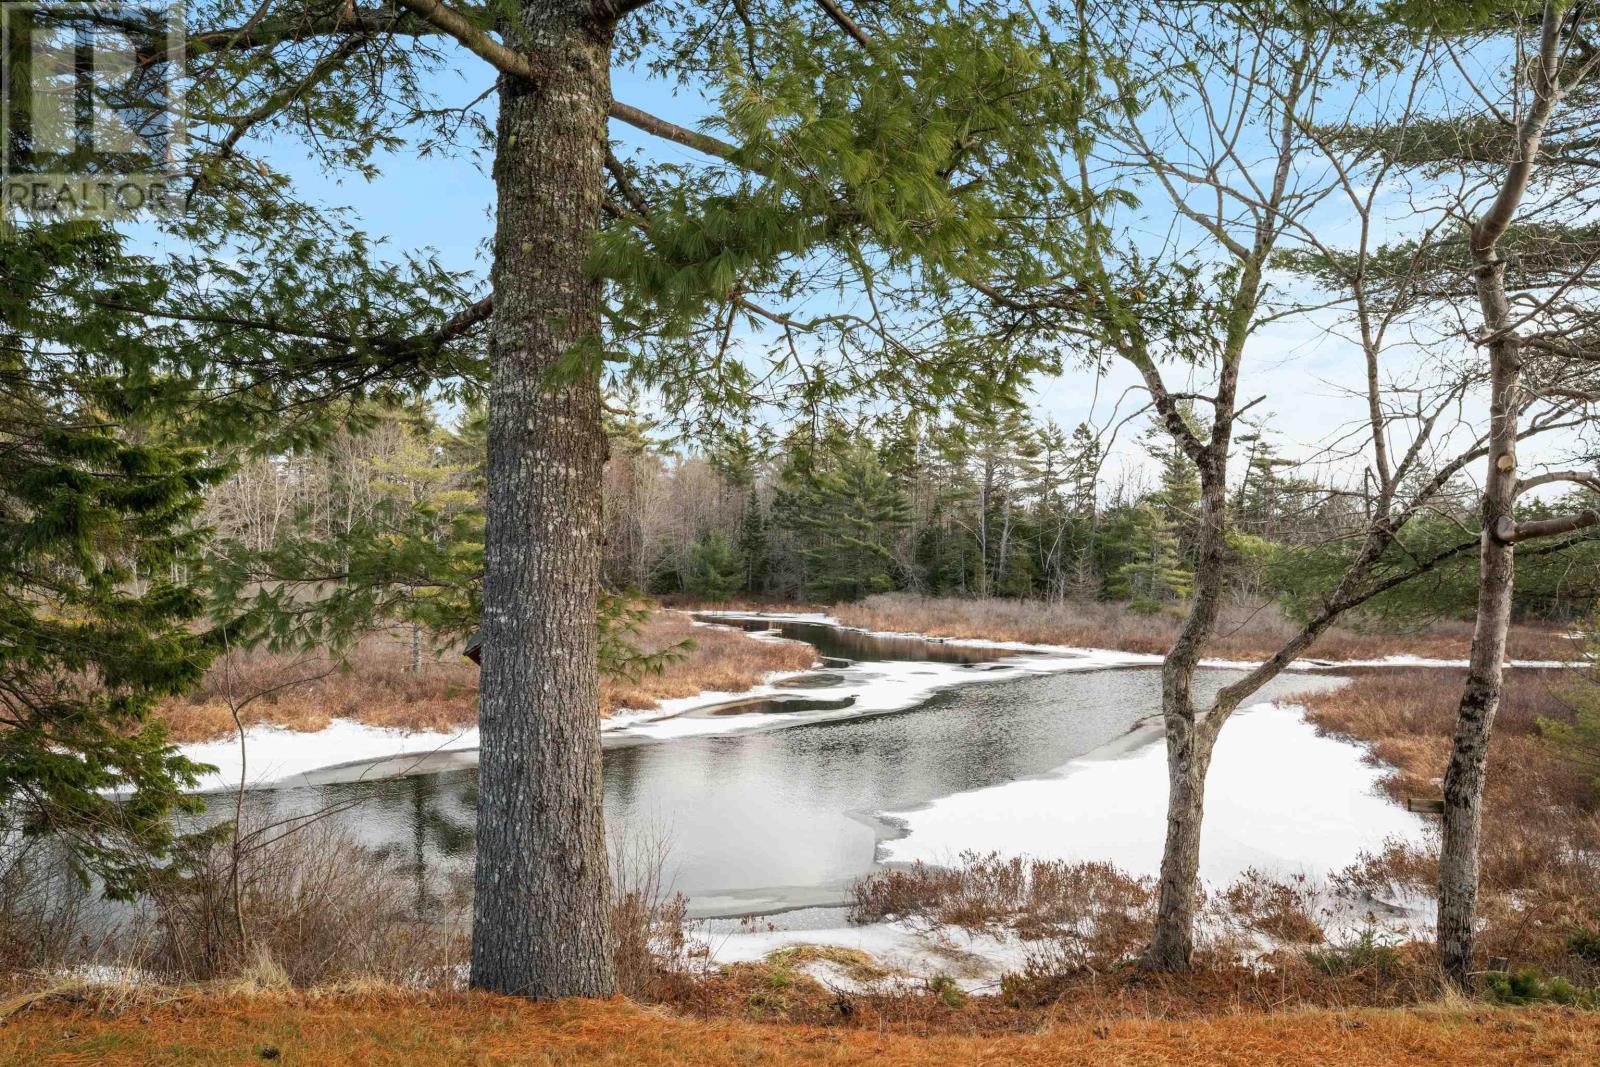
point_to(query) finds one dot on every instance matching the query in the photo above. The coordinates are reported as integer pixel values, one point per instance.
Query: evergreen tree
(753, 547)
(1177, 495)
(1155, 574)
(100, 578)
(850, 514)
(991, 440)
(1270, 501)
(716, 571)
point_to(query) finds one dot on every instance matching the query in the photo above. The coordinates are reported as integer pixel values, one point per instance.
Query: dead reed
(374, 684)
(1247, 631)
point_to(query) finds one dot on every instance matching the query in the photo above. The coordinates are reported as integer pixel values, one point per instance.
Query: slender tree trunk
(1188, 759)
(416, 648)
(541, 906)
(1480, 699)
(1189, 739)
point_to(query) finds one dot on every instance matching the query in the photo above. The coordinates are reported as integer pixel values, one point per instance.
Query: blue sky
(443, 202)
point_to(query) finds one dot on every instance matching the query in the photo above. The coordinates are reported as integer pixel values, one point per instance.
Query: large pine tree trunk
(541, 907)
(1480, 699)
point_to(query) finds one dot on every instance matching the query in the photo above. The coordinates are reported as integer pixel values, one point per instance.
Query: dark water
(765, 820)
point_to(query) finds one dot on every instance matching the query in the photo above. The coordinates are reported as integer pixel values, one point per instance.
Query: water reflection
(766, 820)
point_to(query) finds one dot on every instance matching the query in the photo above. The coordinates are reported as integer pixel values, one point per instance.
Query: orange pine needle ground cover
(467, 1031)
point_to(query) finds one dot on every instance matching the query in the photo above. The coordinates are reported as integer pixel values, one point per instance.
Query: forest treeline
(988, 501)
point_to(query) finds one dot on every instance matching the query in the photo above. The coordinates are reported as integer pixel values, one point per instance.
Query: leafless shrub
(47, 922)
(313, 904)
(1088, 916)
(1092, 913)
(653, 950)
(1282, 910)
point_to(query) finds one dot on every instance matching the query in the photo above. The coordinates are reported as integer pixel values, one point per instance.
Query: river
(785, 812)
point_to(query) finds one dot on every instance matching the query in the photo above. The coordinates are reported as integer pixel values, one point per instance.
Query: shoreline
(280, 757)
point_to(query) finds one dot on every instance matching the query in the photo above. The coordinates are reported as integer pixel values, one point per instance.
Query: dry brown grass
(1095, 918)
(724, 659)
(1245, 632)
(375, 685)
(1103, 913)
(310, 906)
(460, 1029)
(1541, 845)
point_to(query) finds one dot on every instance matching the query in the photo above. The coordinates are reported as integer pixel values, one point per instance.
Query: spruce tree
(100, 580)
(753, 548)
(850, 514)
(1155, 574)
(715, 571)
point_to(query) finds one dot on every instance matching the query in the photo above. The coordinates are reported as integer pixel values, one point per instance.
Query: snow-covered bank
(1279, 798)
(348, 750)
(975, 961)
(274, 754)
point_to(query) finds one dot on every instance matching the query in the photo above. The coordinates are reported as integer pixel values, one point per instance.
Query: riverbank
(191, 1030)
(1245, 632)
(1540, 849)
(376, 687)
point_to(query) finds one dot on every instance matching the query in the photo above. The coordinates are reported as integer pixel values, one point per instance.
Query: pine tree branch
(846, 23)
(671, 131)
(278, 101)
(504, 59)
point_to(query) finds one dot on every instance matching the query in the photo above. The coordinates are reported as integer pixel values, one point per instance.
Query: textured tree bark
(1188, 759)
(1189, 738)
(541, 905)
(1480, 698)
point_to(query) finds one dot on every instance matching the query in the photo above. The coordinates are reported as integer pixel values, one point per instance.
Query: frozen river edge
(1106, 805)
(347, 750)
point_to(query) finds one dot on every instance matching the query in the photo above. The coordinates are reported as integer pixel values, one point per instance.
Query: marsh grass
(1540, 851)
(1246, 631)
(375, 686)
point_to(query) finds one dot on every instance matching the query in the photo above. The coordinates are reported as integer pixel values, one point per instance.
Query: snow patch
(1279, 798)
(273, 753)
